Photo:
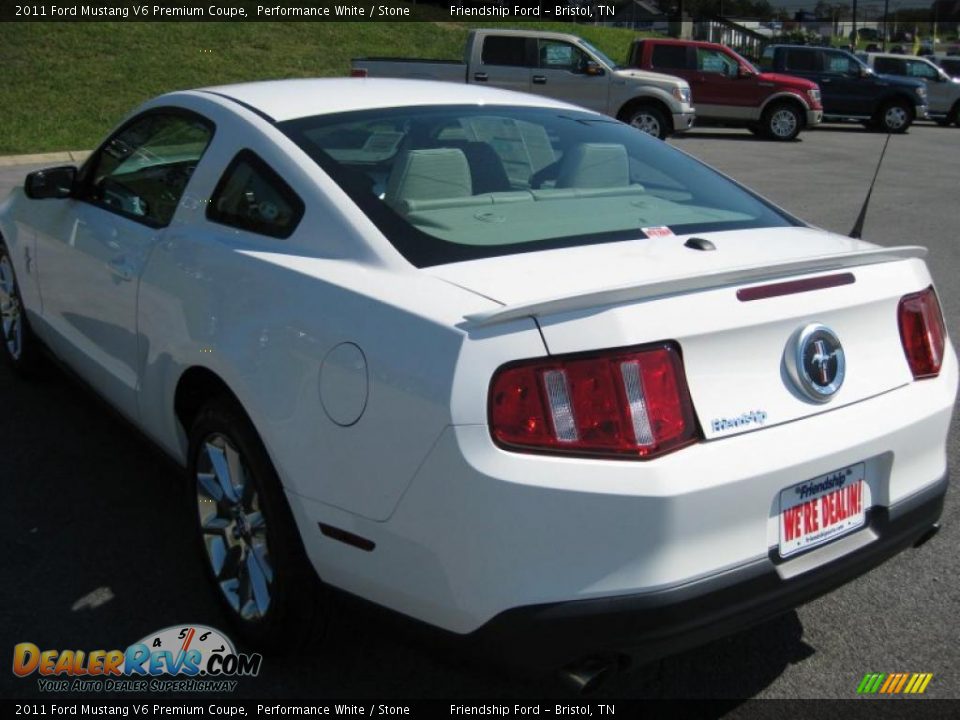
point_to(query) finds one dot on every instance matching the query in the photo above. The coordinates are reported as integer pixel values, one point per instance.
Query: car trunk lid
(736, 349)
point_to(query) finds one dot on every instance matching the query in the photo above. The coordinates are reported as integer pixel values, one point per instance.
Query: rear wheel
(894, 117)
(247, 537)
(648, 119)
(782, 122)
(18, 346)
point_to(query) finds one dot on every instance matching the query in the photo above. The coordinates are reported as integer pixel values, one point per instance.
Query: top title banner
(619, 12)
(225, 10)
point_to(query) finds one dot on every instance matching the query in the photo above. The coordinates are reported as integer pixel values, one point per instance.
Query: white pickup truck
(557, 65)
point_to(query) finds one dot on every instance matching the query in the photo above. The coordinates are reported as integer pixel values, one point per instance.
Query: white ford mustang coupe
(502, 365)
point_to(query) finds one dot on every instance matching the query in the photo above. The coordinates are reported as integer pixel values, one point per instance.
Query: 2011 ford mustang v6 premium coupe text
(506, 366)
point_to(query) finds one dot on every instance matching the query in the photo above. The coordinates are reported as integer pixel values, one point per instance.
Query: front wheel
(247, 537)
(18, 346)
(894, 117)
(650, 120)
(782, 122)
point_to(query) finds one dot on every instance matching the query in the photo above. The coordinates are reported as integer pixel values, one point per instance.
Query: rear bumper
(652, 625)
(683, 121)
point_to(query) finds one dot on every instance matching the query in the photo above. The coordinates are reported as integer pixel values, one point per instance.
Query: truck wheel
(894, 117)
(782, 122)
(18, 346)
(649, 119)
(248, 540)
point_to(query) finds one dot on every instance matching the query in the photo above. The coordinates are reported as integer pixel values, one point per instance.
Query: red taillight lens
(922, 332)
(624, 403)
(358, 72)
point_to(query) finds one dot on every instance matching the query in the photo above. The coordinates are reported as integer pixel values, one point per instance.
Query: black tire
(649, 119)
(782, 122)
(894, 116)
(298, 606)
(943, 122)
(19, 347)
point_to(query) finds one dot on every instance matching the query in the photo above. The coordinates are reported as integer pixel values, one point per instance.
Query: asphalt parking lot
(97, 550)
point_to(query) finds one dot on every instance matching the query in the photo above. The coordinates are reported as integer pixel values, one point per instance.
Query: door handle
(120, 268)
(480, 77)
(539, 80)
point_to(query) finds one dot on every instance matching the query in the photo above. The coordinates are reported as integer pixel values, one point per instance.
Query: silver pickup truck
(561, 66)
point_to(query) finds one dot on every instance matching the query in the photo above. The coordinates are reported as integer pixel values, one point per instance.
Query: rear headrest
(595, 165)
(429, 175)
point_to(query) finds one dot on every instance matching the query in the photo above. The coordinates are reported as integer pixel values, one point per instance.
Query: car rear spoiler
(684, 284)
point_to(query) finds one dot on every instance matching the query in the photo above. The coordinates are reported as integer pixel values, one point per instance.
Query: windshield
(602, 57)
(453, 183)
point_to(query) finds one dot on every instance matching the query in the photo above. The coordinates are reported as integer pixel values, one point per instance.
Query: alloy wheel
(895, 117)
(10, 310)
(646, 123)
(233, 528)
(783, 123)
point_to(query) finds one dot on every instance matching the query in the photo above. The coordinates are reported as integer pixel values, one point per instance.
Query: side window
(669, 57)
(714, 61)
(505, 50)
(803, 60)
(558, 55)
(889, 66)
(251, 196)
(838, 63)
(919, 69)
(142, 171)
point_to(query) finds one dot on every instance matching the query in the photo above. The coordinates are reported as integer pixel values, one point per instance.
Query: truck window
(714, 61)
(505, 50)
(839, 63)
(559, 55)
(801, 59)
(889, 66)
(920, 69)
(669, 57)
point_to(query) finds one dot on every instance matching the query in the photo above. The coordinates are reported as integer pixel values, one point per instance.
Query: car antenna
(861, 218)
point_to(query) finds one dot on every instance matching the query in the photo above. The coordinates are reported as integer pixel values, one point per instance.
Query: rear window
(505, 50)
(804, 60)
(890, 66)
(453, 183)
(669, 57)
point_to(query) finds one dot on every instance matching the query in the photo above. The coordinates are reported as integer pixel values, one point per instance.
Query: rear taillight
(922, 332)
(624, 403)
(358, 72)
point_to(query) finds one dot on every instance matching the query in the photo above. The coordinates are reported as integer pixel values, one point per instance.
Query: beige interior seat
(429, 174)
(595, 165)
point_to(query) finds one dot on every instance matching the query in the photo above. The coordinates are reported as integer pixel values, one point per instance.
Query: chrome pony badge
(816, 362)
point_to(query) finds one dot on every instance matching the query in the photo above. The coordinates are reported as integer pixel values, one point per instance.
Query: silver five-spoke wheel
(783, 123)
(896, 117)
(647, 123)
(10, 311)
(233, 528)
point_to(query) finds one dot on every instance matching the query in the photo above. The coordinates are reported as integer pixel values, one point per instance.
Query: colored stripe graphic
(894, 683)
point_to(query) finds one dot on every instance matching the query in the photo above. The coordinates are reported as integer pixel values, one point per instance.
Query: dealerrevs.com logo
(183, 658)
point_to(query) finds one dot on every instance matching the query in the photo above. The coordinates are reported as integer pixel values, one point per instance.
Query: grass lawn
(65, 85)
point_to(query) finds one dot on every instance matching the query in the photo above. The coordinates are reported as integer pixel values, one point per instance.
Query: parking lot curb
(76, 156)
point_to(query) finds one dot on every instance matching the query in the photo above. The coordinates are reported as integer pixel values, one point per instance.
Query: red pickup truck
(727, 89)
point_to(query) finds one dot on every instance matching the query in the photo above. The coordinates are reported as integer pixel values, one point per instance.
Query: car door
(840, 81)
(940, 95)
(718, 88)
(91, 260)
(505, 61)
(561, 73)
(805, 63)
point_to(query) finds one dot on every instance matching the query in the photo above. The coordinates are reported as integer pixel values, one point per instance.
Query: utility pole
(854, 25)
(886, 22)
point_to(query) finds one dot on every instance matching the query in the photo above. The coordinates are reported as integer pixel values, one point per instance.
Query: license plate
(820, 510)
